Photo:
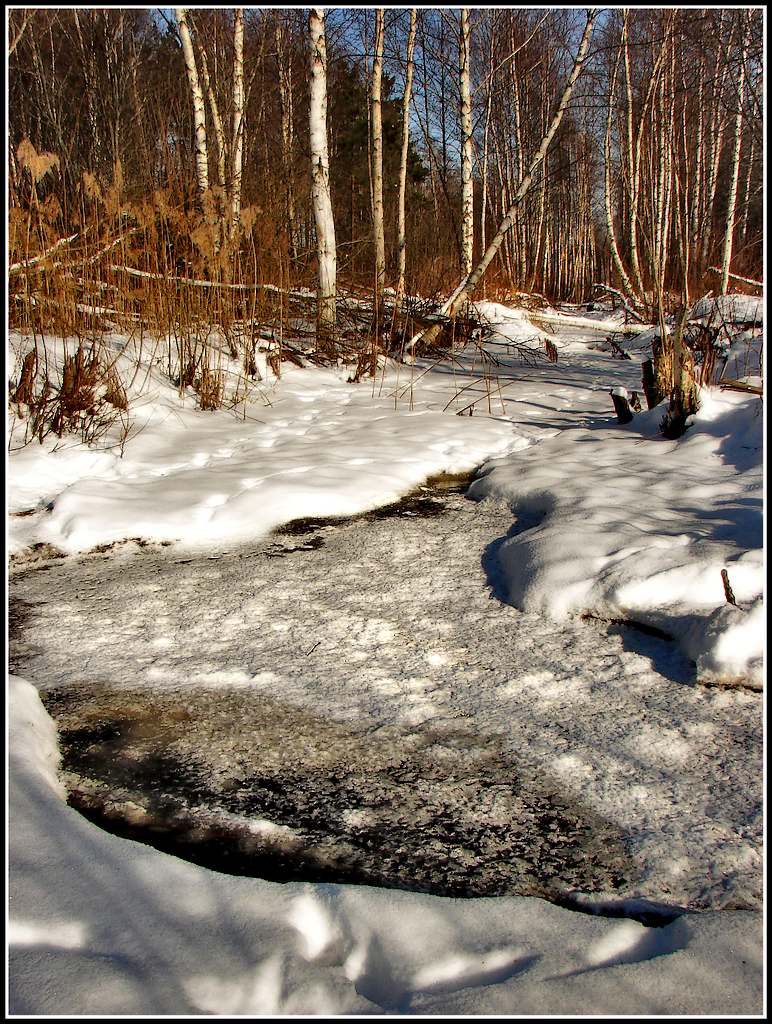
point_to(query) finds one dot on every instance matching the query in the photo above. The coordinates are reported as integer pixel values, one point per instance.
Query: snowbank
(728, 309)
(619, 522)
(100, 925)
(313, 446)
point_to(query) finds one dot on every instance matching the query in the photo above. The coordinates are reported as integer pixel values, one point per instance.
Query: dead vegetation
(151, 273)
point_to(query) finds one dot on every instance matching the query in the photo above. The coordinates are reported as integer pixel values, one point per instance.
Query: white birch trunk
(694, 216)
(634, 168)
(627, 285)
(401, 239)
(197, 96)
(238, 122)
(738, 129)
(467, 186)
(486, 132)
(218, 195)
(516, 238)
(717, 128)
(217, 125)
(747, 194)
(668, 120)
(320, 180)
(377, 158)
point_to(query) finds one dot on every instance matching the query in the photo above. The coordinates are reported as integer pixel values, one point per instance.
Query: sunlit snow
(572, 515)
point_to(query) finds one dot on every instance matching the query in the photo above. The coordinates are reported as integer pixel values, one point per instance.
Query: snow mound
(622, 523)
(320, 448)
(729, 309)
(744, 358)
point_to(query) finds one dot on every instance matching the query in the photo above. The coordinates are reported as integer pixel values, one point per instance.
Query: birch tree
(228, 151)
(197, 98)
(377, 160)
(467, 185)
(218, 130)
(616, 257)
(287, 134)
(735, 172)
(320, 182)
(238, 123)
(406, 96)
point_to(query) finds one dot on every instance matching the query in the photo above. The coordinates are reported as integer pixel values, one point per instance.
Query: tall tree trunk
(406, 95)
(467, 185)
(377, 152)
(287, 136)
(238, 123)
(486, 133)
(219, 195)
(624, 280)
(633, 162)
(217, 125)
(518, 234)
(747, 194)
(663, 124)
(197, 97)
(715, 147)
(426, 123)
(735, 172)
(320, 183)
(699, 155)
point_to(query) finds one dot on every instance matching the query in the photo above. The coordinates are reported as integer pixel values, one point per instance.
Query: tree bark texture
(197, 98)
(320, 182)
(467, 186)
(377, 151)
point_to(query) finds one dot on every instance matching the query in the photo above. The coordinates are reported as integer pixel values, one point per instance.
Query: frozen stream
(351, 702)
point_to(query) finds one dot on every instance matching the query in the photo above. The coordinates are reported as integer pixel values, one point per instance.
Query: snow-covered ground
(610, 520)
(99, 925)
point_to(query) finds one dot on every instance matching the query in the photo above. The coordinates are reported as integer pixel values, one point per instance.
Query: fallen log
(606, 326)
(740, 385)
(736, 277)
(197, 283)
(16, 268)
(625, 305)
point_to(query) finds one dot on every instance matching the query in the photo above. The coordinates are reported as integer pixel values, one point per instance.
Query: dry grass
(153, 267)
(82, 394)
(158, 267)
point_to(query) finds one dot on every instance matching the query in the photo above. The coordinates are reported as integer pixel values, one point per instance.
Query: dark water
(246, 784)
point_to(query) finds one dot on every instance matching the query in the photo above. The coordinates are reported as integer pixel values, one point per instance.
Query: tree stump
(649, 384)
(621, 400)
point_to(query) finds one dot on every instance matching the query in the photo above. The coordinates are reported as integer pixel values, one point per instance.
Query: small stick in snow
(617, 348)
(728, 592)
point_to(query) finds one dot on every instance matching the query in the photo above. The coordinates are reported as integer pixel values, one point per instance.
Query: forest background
(160, 166)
